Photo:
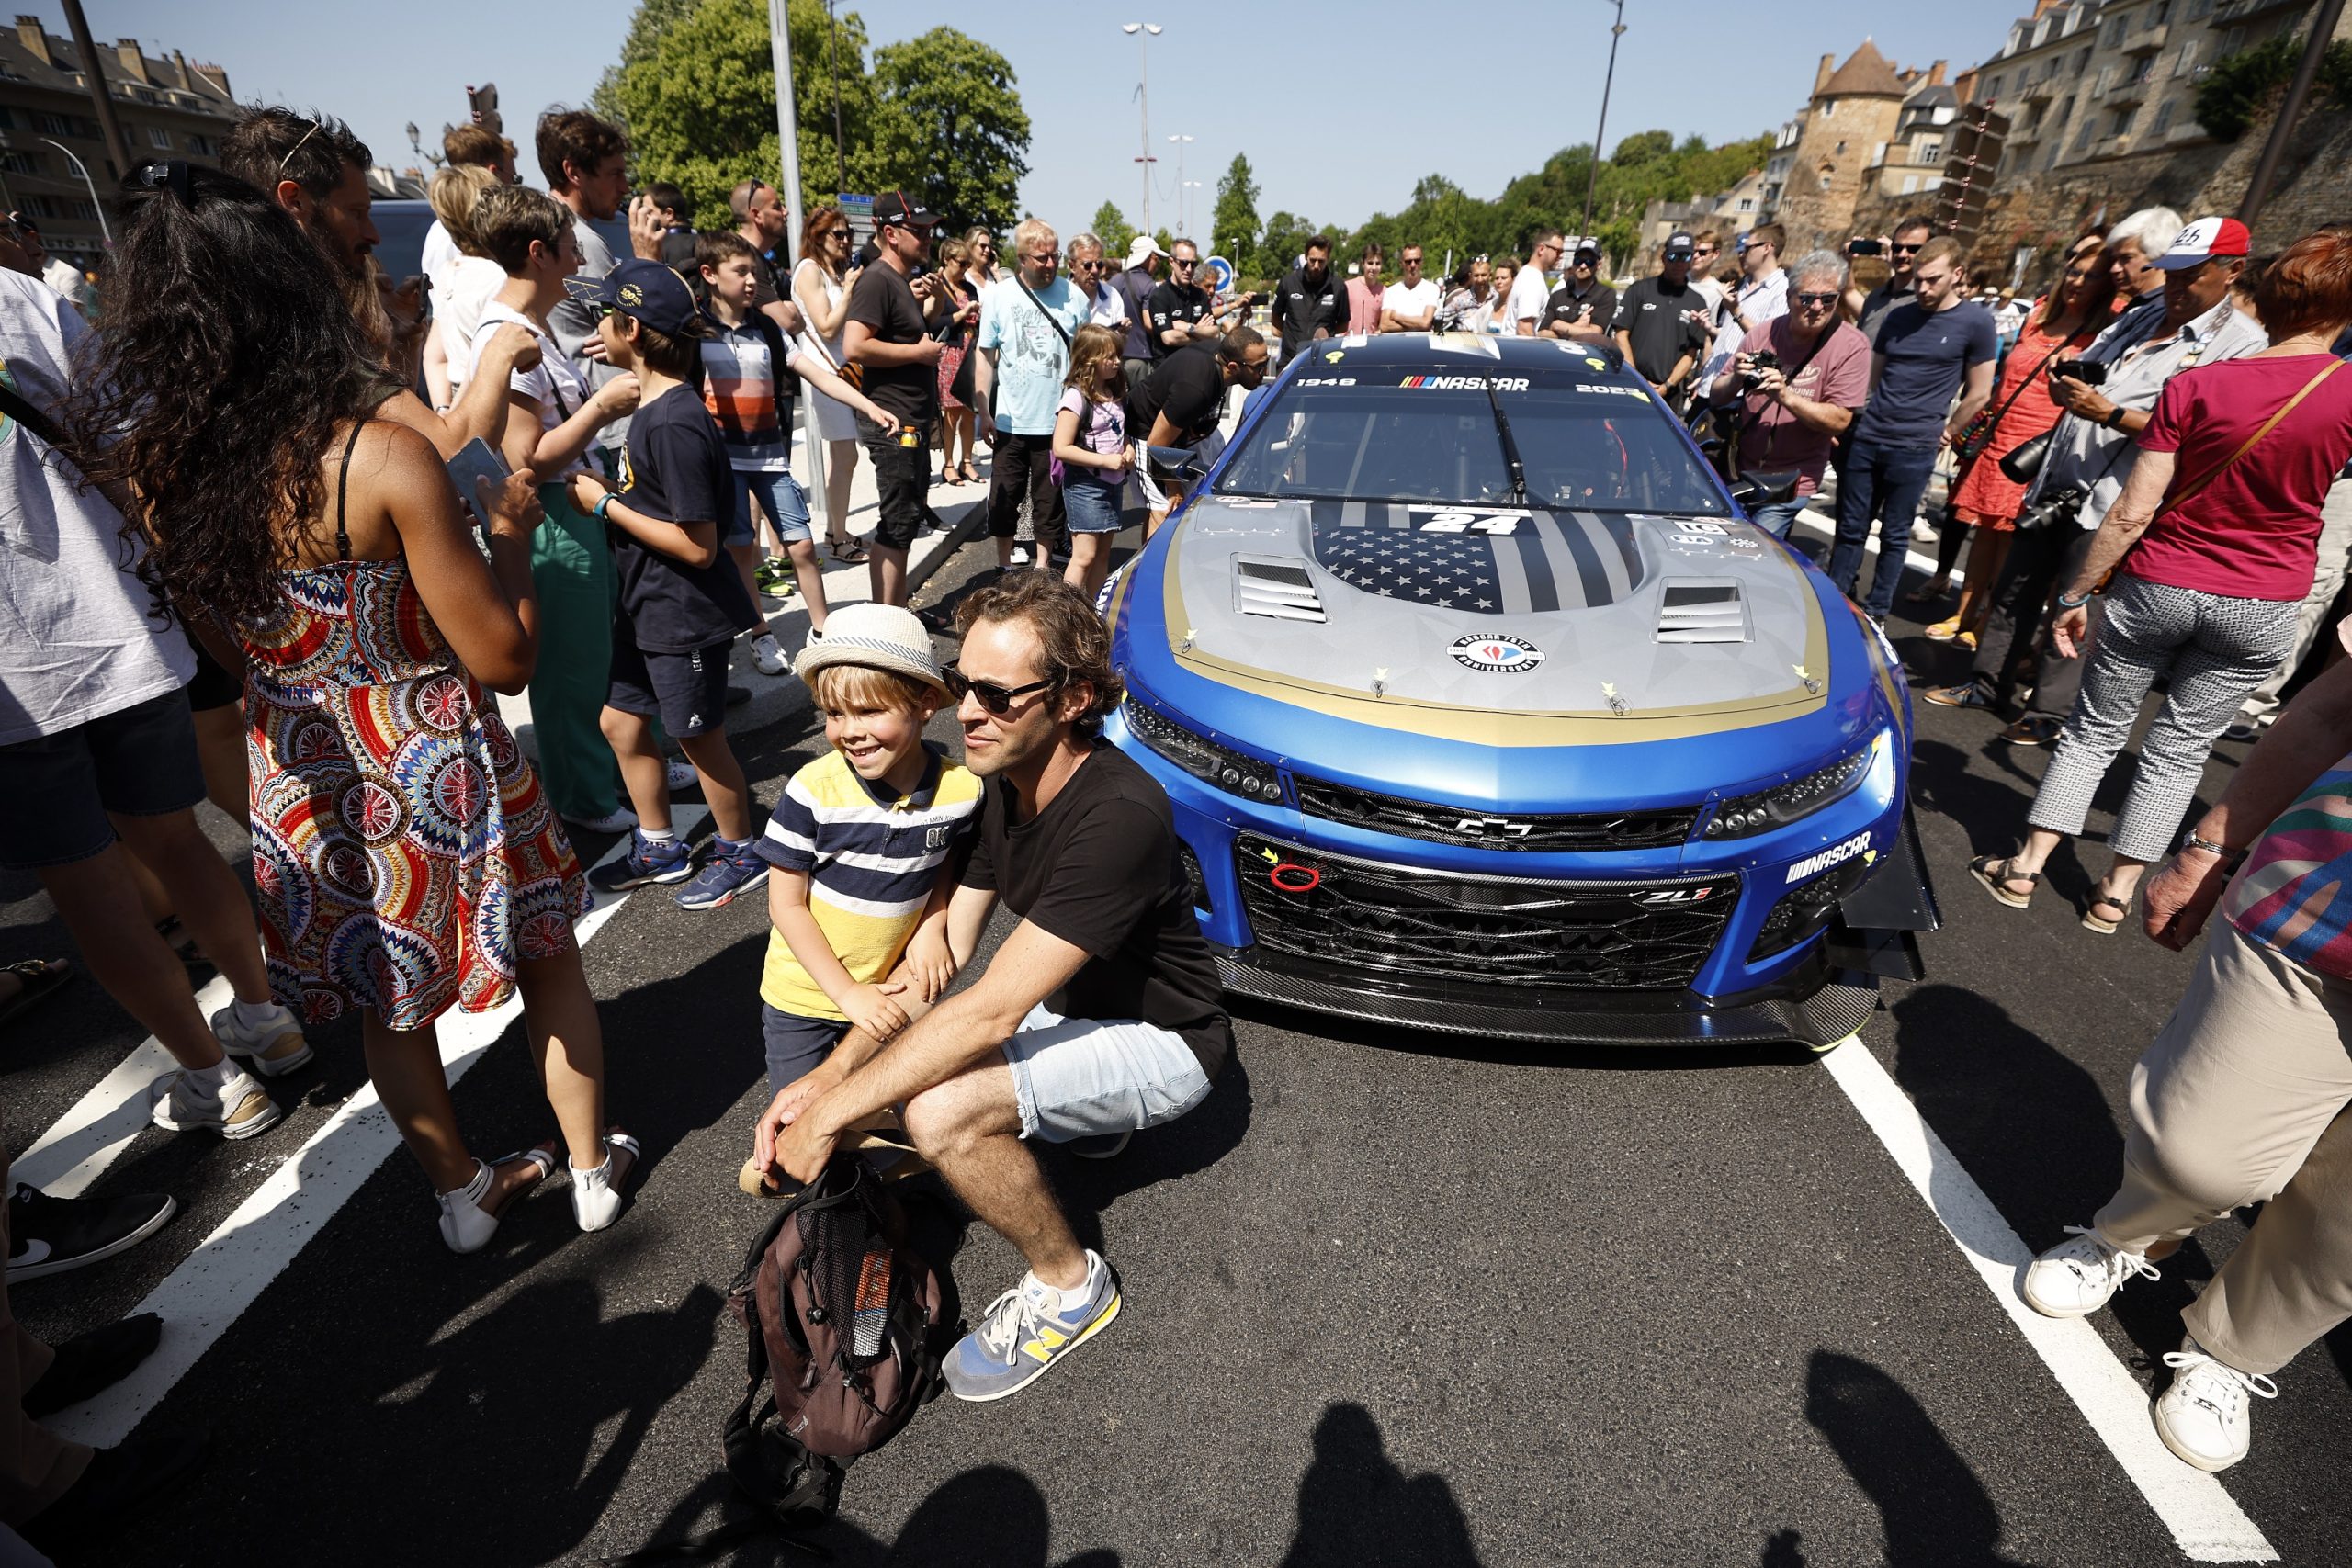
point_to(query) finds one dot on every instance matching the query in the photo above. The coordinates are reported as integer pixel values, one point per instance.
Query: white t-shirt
(439, 250)
(1107, 307)
(555, 382)
(461, 287)
(80, 643)
(831, 286)
(1529, 292)
(1420, 299)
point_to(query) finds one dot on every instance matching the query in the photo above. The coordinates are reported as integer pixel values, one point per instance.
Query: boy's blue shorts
(796, 1044)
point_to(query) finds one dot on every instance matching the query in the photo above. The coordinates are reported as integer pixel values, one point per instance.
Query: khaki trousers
(36, 1466)
(2241, 1099)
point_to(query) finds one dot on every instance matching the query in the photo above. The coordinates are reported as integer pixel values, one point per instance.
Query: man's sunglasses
(1902, 250)
(1817, 299)
(997, 699)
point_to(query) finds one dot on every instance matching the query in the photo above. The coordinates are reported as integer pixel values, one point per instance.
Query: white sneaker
(242, 1109)
(466, 1226)
(1020, 555)
(595, 1194)
(2203, 1417)
(767, 657)
(678, 775)
(619, 820)
(274, 1048)
(1924, 533)
(2077, 1278)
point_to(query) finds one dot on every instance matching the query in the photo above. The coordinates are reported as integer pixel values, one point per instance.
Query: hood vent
(1279, 588)
(1701, 610)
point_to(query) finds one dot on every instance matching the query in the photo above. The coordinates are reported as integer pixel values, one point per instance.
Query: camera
(1864, 248)
(2058, 506)
(1762, 359)
(2089, 372)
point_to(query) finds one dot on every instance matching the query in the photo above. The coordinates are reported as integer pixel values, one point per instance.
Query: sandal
(845, 552)
(597, 1191)
(2094, 921)
(1996, 871)
(466, 1226)
(35, 977)
(1942, 631)
(970, 475)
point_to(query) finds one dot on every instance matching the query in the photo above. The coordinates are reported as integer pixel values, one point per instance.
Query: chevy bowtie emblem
(1493, 828)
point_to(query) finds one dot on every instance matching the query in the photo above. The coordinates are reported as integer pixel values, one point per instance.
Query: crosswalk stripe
(214, 1284)
(76, 1152)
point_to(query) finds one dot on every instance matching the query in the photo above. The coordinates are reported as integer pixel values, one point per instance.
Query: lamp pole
(788, 131)
(104, 232)
(1182, 200)
(1592, 183)
(841, 148)
(1144, 33)
(1180, 142)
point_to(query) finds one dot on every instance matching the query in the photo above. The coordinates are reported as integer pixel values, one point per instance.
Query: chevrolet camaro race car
(1482, 707)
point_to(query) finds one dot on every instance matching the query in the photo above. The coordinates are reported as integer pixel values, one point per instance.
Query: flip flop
(40, 977)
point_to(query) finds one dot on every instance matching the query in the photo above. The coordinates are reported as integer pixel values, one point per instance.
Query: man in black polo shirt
(888, 334)
(1866, 311)
(1312, 301)
(1179, 403)
(1180, 311)
(1661, 323)
(1583, 306)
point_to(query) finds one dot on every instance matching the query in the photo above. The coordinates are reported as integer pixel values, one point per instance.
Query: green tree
(653, 18)
(951, 117)
(1283, 242)
(1233, 229)
(1646, 147)
(1113, 228)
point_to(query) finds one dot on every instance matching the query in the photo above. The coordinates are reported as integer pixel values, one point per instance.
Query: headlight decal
(1765, 809)
(1219, 766)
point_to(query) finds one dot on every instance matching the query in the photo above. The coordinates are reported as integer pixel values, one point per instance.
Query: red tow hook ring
(1292, 877)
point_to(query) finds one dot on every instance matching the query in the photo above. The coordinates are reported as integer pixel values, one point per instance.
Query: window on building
(202, 146)
(2082, 60)
(2055, 148)
(2113, 37)
(2199, 10)
(1829, 109)
(2083, 138)
(2233, 40)
(1747, 204)
(1910, 184)
(158, 137)
(2158, 13)
(7, 120)
(1993, 88)
(1825, 177)
(54, 124)
(1930, 152)
(21, 162)
(1841, 149)
(2121, 123)
(2163, 117)
(2186, 62)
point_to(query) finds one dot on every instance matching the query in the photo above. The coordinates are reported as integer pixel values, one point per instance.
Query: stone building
(1730, 212)
(1830, 156)
(168, 108)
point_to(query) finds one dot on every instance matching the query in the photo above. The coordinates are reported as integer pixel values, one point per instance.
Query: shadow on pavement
(1931, 1503)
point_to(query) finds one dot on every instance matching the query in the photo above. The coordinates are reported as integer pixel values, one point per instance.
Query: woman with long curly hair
(404, 853)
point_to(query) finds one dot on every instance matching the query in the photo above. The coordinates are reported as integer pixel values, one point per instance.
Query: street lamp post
(1144, 32)
(1180, 142)
(104, 232)
(1182, 200)
(1592, 183)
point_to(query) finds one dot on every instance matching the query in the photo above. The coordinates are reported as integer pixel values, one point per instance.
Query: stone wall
(1816, 217)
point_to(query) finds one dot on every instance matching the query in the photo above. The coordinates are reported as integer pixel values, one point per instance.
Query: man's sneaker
(679, 774)
(273, 1047)
(50, 1235)
(774, 578)
(1968, 694)
(1029, 1328)
(2203, 1417)
(1020, 555)
(667, 860)
(767, 657)
(2077, 1278)
(733, 868)
(242, 1109)
(88, 1364)
(619, 820)
(1926, 533)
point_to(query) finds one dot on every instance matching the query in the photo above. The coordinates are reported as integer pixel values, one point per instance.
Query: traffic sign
(859, 210)
(1220, 275)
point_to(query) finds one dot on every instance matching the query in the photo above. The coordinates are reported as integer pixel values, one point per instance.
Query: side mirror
(1752, 490)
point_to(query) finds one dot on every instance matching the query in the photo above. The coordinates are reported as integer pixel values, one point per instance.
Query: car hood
(1511, 610)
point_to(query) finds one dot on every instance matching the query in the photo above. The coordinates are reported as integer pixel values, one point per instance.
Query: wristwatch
(603, 502)
(2114, 420)
(2230, 857)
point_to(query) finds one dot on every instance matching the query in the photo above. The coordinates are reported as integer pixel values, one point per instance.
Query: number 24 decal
(1464, 522)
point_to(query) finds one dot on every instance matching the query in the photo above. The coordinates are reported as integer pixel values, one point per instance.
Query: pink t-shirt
(1839, 371)
(2254, 532)
(1363, 306)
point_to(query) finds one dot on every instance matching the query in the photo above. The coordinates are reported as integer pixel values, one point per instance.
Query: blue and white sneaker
(667, 859)
(733, 867)
(1029, 1328)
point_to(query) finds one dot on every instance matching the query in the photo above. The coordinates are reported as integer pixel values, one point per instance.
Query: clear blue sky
(1390, 91)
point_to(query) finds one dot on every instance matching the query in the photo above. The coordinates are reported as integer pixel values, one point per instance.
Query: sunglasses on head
(997, 699)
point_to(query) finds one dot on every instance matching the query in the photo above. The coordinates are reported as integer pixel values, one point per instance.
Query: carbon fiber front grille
(1558, 833)
(1487, 931)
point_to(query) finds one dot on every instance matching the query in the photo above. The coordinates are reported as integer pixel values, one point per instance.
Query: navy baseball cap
(1680, 246)
(651, 293)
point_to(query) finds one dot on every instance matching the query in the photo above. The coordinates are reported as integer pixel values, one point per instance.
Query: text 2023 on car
(1482, 707)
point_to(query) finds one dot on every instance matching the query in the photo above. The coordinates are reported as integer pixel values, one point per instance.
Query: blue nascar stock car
(1483, 709)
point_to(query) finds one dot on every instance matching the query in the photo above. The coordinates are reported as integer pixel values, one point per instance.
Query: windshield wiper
(1510, 446)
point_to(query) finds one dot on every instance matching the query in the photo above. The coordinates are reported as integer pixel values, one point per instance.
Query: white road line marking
(214, 1284)
(1826, 522)
(76, 1151)
(2205, 1521)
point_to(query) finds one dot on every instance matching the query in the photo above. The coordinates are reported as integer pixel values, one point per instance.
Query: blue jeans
(780, 496)
(1884, 484)
(1781, 516)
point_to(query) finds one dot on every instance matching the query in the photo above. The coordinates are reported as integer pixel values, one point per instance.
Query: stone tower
(1852, 115)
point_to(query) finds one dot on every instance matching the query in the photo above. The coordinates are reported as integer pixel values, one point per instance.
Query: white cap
(880, 637)
(1143, 245)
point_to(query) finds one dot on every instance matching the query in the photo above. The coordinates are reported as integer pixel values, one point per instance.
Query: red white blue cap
(2204, 239)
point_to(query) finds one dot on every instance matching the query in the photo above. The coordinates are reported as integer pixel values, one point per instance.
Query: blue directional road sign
(1220, 275)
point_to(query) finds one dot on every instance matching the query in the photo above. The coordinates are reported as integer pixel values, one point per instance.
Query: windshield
(1585, 443)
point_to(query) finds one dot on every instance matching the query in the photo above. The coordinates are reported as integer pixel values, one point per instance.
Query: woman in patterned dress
(404, 853)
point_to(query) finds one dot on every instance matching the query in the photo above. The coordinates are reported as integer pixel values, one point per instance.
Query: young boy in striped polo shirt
(864, 845)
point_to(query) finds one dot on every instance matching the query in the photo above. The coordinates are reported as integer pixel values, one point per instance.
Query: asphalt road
(1392, 1298)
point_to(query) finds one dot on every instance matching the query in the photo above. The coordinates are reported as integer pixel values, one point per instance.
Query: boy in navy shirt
(681, 601)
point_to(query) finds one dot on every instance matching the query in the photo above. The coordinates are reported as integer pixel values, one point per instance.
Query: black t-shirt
(675, 469)
(1567, 305)
(678, 253)
(1188, 386)
(1650, 313)
(886, 302)
(1300, 306)
(1174, 304)
(1098, 868)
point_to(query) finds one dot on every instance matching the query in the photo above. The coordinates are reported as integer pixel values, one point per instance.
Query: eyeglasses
(1817, 299)
(1184, 261)
(997, 699)
(1902, 250)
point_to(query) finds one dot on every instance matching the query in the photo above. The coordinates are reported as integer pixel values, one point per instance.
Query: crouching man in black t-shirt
(1099, 1015)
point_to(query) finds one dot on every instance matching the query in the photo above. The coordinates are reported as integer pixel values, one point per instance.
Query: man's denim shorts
(1080, 1077)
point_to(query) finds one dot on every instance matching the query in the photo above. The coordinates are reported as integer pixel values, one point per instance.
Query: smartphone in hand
(475, 460)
